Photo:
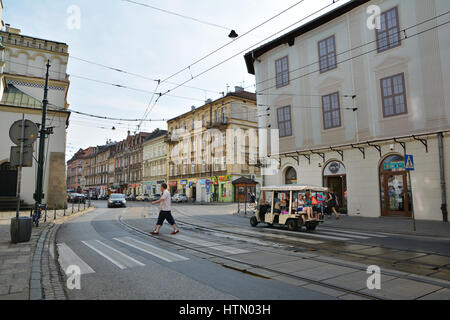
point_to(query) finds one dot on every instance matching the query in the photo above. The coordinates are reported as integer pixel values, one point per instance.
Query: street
(218, 255)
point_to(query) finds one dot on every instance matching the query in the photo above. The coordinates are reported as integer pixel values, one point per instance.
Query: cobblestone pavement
(28, 271)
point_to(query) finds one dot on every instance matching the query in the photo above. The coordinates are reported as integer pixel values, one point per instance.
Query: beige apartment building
(154, 162)
(352, 97)
(201, 163)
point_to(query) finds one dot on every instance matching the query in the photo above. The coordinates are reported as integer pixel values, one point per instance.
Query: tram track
(317, 248)
(255, 266)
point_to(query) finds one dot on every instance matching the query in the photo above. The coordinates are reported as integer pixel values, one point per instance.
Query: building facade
(23, 69)
(75, 171)
(352, 97)
(98, 171)
(202, 151)
(155, 160)
(128, 164)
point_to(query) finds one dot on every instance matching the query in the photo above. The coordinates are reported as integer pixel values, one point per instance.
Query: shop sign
(202, 182)
(183, 182)
(225, 178)
(173, 183)
(394, 165)
(160, 182)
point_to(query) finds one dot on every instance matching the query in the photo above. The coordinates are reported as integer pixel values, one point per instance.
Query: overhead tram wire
(247, 49)
(179, 15)
(105, 82)
(139, 75)
(315, 63)
(232, 41)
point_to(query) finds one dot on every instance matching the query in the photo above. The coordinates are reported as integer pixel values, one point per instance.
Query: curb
(36, 291)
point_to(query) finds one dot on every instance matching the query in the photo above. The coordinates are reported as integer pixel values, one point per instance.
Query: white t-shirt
(166, 201)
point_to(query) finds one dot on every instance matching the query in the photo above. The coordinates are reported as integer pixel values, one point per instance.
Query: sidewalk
(383, 224)
(28, 271)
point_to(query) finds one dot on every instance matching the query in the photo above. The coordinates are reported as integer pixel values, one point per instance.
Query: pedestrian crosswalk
(151, 250)
(133, 252)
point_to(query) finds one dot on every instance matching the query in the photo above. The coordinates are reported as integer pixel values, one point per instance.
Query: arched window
(291, 176)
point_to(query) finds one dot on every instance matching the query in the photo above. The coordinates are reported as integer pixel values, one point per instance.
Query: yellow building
(211, 146)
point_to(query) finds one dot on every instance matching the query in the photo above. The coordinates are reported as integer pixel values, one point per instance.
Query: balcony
(220, 124)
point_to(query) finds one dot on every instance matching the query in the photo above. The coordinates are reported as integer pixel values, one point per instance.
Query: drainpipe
(443, 186)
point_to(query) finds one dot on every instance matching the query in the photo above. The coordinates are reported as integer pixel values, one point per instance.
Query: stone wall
(57, 188)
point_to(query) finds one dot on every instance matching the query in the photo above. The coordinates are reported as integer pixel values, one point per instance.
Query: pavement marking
(151, 250)
(313, 235)
(353, 232)
(212, 245)
(309, 241)
(69, 258)
(325, 232)
(121, 260)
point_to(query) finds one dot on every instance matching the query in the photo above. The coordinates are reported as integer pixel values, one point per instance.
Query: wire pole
(40, 176)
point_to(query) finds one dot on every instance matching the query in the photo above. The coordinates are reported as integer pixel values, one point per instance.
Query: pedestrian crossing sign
(409, 162)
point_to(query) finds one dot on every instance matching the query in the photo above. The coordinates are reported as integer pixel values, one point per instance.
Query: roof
(244, 180)
(289, 37)
(155, 134)
(294, 187)
(239, 94)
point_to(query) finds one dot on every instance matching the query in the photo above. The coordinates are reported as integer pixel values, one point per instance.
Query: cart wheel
(253, 222)
(292, 225)
(311, 227)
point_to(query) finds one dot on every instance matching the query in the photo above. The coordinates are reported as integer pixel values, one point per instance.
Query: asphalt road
(119, 264)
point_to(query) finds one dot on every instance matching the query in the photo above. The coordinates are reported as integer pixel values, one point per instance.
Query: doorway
(396, 193)
(8, 178)
(335, 178)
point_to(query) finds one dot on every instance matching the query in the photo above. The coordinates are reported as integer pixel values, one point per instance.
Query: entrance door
(396, 197)
(8, 178)
(337, 185)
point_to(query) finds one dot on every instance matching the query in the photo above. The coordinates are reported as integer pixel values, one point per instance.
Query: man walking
(165, 211)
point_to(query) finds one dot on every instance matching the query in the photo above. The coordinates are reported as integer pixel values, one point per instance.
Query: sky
(154, 44)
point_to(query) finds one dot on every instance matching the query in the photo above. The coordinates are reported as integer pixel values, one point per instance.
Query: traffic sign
(409, 162)
(27, 157)
(30, 136)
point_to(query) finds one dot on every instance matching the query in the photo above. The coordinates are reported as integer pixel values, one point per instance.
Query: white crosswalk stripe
(370, 235)
(151, 250)
(116, 257)
(329, 233)
(69, 258)
(212, 245)
(277, 236)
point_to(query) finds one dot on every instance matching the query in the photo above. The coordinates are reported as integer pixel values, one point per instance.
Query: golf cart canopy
(294, 187)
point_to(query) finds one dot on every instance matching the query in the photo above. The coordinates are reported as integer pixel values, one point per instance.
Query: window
(388, 36)
(284, 121)
(224, 116)
(331, 111)
(282, 72)
(327, 54)
(394, 95)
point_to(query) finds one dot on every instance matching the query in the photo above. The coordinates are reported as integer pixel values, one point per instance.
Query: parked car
(155, 197)
(103, 197)
(143, 197)
(179, 197)
(117, 200)
(94, 196)
(77, 198)
(130, 197)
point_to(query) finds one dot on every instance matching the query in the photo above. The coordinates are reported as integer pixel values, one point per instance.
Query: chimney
(238, 89)
(208, 101)
(192, 108)
(7, 27)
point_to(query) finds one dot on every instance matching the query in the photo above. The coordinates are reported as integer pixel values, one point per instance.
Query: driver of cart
(277, 205)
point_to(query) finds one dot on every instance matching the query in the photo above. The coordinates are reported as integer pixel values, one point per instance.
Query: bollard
(72, 207)
(54, 218)
(45, 217)
(64, 210)
(78, 205)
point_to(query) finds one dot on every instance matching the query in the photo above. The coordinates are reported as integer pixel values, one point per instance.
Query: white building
(351, 100)
(154, 163)
(23, 71)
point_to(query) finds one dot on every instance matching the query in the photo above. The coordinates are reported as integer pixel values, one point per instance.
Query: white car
(143, 197)
(179, 198)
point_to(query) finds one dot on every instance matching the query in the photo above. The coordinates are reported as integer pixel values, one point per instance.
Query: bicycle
(37, 214)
